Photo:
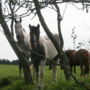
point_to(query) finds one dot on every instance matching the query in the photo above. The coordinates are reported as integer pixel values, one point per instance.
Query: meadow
(10, 73)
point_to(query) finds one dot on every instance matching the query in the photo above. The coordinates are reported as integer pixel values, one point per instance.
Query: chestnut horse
(71, 55)
(80, 57)
(83, 58)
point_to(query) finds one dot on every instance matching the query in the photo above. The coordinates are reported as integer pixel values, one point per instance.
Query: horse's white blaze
(34, 38)
(18, 28)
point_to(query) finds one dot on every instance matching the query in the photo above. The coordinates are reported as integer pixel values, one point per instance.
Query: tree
(74, 36)
(21, 55)
(35, 6)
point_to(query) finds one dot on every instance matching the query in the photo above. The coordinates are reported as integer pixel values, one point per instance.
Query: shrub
(5, 82)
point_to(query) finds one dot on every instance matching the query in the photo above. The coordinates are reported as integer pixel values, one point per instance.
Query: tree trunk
(50, 35)
(25, 65)
(26, 69)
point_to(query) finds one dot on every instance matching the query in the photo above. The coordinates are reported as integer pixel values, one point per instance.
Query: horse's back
(83, 52)
(50, 50)
(70, 52)
(83, 55)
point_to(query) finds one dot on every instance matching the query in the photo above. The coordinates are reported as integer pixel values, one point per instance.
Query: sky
(72, 17)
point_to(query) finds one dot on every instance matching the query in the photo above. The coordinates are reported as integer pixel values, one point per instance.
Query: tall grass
(11, 72)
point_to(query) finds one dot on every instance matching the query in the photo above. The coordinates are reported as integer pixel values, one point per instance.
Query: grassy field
(10, 73)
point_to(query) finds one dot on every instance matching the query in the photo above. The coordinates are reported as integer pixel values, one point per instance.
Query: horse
(71, 55)
(23, 41)
(81, 58)
(42, 48)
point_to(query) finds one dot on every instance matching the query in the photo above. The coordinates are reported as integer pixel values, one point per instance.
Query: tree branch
(8, 33)
(12, 17)
(59, 19)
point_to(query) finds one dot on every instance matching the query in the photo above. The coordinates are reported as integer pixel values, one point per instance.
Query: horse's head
(71, 54)
(34, 35)
(18, 29)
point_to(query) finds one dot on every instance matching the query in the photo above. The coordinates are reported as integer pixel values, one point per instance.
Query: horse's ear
(24, 30)
(29, 25)
(15, 20)
(38, 26)
(20, 19)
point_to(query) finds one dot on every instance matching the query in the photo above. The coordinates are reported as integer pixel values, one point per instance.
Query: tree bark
(25, 65)
(26, 69)
(63, 57)
(59, 19)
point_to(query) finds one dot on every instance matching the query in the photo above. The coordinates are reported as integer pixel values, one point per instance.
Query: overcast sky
(73, 17)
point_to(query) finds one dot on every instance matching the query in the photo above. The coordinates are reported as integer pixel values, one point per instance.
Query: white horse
(23, 38)
(42, 48)
(23, 41)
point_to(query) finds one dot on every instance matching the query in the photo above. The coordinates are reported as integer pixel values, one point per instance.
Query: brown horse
(80, 57)
(71, 55)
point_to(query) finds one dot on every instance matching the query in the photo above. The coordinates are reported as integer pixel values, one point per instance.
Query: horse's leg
(74, 69)
(33, 70)
(82, 71)
(50, 65)
(42, 73)
(71, 68)
(54, 67)
(20, 68)
(37, 75)
(81, 65)
(86, 70)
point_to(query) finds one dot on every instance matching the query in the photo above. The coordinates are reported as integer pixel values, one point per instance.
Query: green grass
(11, 73)
(8, 71)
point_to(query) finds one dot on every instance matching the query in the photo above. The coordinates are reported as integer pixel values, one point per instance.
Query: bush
(5, 82)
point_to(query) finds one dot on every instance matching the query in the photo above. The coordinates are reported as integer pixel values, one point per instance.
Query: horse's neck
(35, 48)
(24, 42)
(19, 31)
(40, 49)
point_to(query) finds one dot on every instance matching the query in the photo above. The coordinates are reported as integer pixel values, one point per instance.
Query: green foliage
(11, 73)
(5, 82)
(6, 61)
